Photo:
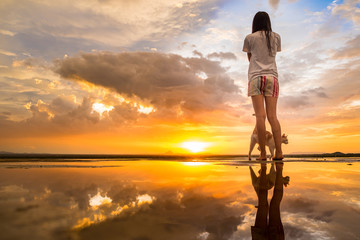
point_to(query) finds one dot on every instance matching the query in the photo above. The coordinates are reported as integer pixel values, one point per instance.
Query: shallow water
(143, 199)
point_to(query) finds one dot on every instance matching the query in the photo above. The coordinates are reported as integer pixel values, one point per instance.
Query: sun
(194, 146)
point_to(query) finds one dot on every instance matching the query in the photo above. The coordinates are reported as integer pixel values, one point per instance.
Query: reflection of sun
(195, 163)
(195, 147)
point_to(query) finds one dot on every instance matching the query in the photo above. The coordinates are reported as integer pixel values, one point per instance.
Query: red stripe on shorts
(262, 84)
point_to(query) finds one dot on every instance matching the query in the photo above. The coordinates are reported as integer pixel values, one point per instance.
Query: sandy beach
(172, 200)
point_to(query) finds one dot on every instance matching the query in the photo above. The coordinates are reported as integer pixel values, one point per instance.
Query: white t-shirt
(261, 63)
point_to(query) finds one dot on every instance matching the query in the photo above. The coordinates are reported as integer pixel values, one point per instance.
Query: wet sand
(141, 200)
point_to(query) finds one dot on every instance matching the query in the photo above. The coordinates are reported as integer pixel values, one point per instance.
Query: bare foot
(262, 157)
(278, 156)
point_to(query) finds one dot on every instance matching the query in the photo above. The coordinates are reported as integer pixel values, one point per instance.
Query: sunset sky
(140, 76)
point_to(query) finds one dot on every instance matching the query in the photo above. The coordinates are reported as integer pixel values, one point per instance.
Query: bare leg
(258, 104)
(263, 206)
(275, 125)
(275, 225)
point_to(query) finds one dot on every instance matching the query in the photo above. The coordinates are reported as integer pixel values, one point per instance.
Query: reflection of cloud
(98, 200)
(325, 216)
(103, 208)
(157, 215)
(145, 198)
(190, 216)
(188, 210)
(293, 231)
(299, 204)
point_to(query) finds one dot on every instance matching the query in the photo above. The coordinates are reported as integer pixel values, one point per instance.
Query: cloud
(167, 81)
(294, 102)
(7, 53)
(7, 32)
(113, 23)
(318, 92)
(223, 55)
(274, 3)
(287, 78)
(132, 87)
(349, 10)
(197, 53)
(61, 115)
(333, 18)
(350, 50)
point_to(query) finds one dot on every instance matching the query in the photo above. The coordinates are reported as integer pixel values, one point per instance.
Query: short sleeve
(246, 47)
(278, 40)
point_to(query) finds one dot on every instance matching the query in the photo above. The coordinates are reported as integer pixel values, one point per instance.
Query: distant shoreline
(4, 155)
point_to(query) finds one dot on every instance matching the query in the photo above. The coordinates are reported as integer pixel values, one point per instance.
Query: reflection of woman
(261, 229)
(261, 47)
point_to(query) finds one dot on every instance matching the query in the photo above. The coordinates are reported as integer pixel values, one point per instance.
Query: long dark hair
(261, 21)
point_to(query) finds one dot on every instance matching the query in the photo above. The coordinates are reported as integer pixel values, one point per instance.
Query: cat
(268, 142)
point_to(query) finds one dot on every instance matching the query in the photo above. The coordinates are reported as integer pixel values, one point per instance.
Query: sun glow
(101, 108)
(195, 147)
(195, 164)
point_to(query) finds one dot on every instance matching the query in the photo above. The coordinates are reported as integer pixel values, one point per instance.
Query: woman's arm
(249, 56)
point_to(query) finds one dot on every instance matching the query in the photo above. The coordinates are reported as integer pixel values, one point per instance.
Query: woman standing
(263, 87)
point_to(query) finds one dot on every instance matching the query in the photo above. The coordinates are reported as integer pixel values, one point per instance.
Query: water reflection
(268, 224)
(175, 201)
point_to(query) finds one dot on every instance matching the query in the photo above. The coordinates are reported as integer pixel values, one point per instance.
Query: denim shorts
(264, 85)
